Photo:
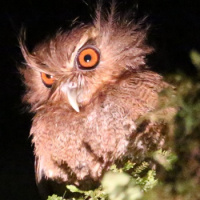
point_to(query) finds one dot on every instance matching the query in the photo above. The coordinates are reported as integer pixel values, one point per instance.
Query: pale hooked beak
(71, 89)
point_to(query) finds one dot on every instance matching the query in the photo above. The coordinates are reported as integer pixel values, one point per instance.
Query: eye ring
(47, 79)
(88, 58)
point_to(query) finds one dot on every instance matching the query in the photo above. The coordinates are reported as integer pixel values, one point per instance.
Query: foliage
(54, 197)
(122, 187)
(177, 175)
(165, 158)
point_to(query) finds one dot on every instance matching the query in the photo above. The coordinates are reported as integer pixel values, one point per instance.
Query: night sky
(175, 30)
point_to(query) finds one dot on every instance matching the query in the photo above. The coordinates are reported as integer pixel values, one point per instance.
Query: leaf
(73, 189)
(195, 58)
(147, 182)
(121, 186)
(54, 197)
(165, 158)
(128, 165)
(140, 168)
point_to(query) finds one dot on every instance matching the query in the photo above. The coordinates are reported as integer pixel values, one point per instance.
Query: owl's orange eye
(47, 79)
(88, 58)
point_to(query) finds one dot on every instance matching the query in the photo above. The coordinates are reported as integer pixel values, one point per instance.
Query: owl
(90, 90)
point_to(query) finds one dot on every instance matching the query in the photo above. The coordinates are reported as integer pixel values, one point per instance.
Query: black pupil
(48, 76)
(87, 58)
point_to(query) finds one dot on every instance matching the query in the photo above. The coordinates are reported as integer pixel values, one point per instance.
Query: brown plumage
(88, 89)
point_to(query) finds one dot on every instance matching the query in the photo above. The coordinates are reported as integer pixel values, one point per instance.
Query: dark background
(174, 32)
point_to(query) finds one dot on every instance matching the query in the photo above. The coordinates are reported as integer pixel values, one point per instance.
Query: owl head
(71, 68)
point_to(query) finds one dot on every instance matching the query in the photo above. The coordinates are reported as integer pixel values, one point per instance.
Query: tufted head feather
(122, 48)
